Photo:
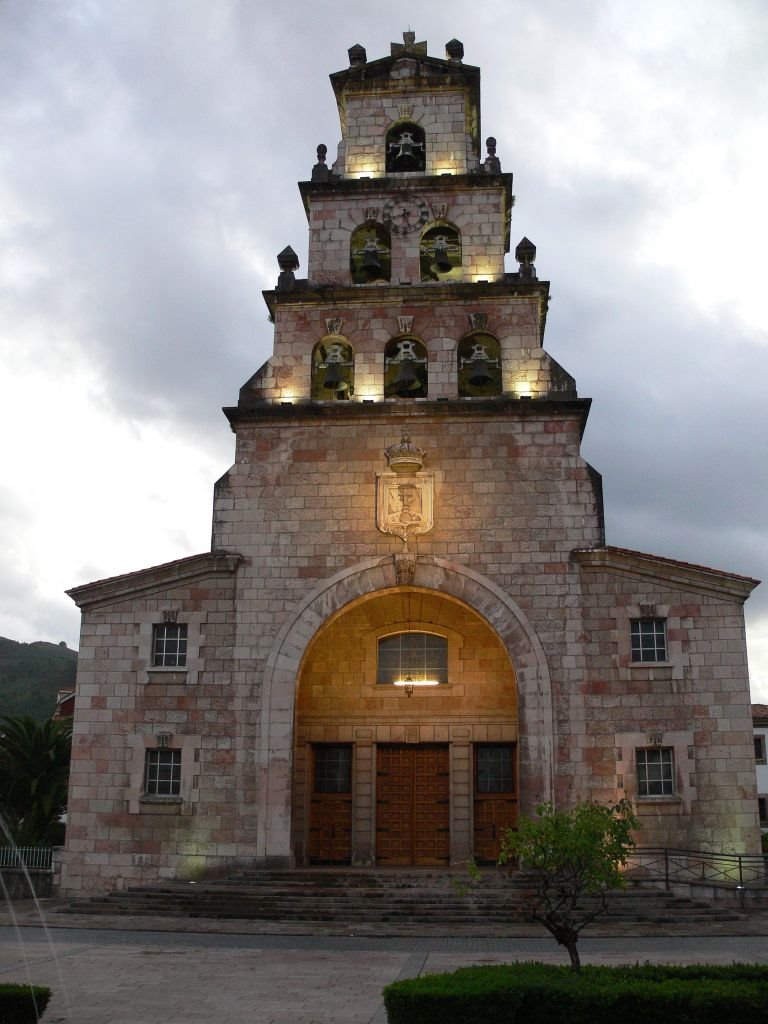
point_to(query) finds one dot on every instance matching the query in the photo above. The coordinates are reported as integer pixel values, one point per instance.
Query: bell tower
(407, 335)
(408, 229)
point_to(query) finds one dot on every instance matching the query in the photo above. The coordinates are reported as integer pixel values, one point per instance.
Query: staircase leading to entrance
(361, 897)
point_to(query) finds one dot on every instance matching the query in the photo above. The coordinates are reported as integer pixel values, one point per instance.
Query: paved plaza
(180, 971)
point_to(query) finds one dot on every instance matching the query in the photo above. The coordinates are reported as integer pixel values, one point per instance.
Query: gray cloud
(152, 180)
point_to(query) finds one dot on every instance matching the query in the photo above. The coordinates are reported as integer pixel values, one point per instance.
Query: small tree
(574, 858)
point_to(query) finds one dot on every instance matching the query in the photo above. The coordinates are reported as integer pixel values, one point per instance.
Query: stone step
(370, 897)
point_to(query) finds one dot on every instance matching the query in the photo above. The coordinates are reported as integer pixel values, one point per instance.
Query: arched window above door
(417, 658)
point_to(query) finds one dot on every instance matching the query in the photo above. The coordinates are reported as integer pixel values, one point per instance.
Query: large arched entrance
(305, 707)
(406, 735)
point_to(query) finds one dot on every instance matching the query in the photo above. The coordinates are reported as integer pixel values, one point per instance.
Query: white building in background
(760, 723)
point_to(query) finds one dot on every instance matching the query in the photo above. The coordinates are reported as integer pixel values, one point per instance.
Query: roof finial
(408, 45)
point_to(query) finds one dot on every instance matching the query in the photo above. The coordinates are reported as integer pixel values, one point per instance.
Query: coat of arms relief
(404, 496)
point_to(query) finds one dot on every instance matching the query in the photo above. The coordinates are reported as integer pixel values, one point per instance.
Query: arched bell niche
(333, 369)
(370, 260)
(440, 253)
(406, 372)
(478, 358)
(405, 148)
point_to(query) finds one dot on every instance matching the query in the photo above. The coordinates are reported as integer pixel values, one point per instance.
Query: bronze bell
(406, 379)
(371, 262)
(334, 378)
(479, 374)
(442, 260)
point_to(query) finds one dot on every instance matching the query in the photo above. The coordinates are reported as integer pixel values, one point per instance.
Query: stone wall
(696, 703)
(114, 836)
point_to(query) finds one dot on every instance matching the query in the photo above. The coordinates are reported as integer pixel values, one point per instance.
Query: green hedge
(22, 1004)
(523, 993)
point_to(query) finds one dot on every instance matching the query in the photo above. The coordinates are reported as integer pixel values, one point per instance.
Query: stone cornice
(256, 411)
(307, 293)
(132, 584)
(415, 182)
(683, 574)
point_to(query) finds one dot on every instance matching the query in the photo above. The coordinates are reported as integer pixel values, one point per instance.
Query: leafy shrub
(22, 1004)
(520, 993)
(573, 859)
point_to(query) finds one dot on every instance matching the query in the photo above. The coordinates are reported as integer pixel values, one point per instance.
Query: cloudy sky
(148, 170)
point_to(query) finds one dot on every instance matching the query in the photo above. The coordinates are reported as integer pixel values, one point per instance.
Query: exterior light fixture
(409, 684)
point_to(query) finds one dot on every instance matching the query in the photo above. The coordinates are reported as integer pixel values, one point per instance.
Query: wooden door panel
(330, 829)
(394, 820)
(492, 817)
(495, 799)
(431, 806)
(330, 809)
(413, 805)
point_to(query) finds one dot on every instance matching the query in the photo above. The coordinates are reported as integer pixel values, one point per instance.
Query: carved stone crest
(404, 504)
(333, 324)
(405, 324)
(404, 496)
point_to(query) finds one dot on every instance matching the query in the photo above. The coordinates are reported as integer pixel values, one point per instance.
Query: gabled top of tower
(405, 92)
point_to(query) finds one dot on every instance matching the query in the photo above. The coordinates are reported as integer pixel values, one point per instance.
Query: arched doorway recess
(340, 704)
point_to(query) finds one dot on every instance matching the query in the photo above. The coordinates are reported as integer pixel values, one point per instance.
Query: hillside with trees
(31, 676)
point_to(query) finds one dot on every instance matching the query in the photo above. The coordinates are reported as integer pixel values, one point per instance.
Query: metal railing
(697, 867)
(37, 858)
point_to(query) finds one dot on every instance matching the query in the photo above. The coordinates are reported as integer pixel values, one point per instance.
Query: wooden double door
(412, 804)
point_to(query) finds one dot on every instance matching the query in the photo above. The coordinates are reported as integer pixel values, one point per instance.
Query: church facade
(409, 629)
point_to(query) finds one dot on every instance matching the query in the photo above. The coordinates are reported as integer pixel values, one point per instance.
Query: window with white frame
(655, 771)
(162, 772)
(169, 645)
(649, 639)
(760, 749)
(420, 657)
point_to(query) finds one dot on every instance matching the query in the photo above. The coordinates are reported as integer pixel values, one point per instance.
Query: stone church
(409, 629)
